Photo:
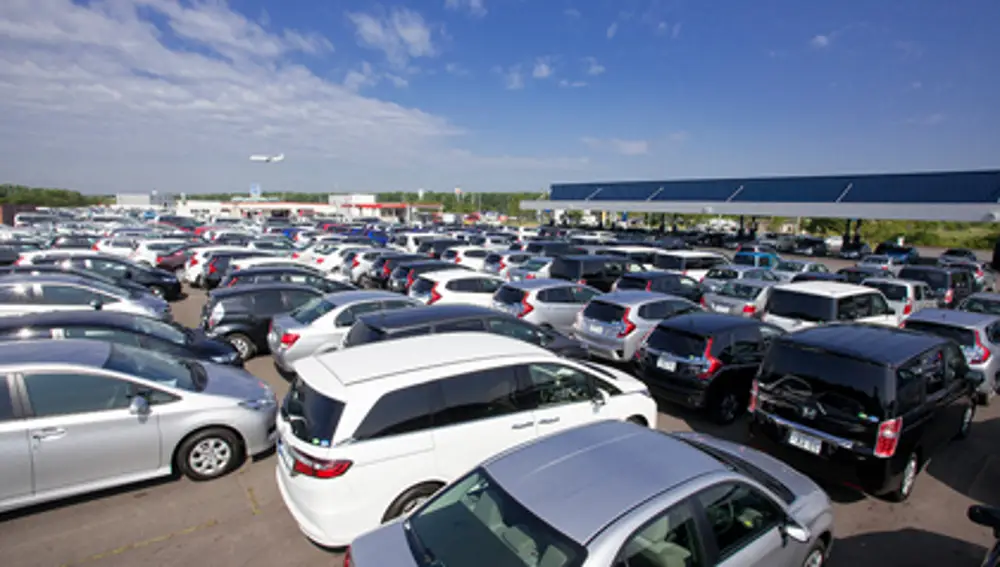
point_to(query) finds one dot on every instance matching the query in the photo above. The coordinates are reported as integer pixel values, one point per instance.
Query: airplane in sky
(268, 159)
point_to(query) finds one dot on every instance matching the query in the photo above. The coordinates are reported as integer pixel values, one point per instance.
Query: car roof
(384, 359)
(929, 268)
(753, 282)
(43, 278)
(351, 296)
(892, 281)
(581, 479)
(875, 343)
(82, 352)
(395, 319)
(593, 257)
(223, 293)
(266, 269)
(824, 288)
(69, 317)
(707, 323)
(651, 275)
(628, 297)
(989, 295)
(954, 317)
(540, 283)
(455, 274)
(735, 267)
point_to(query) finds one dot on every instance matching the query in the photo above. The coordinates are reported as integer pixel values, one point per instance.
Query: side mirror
(795, 532)
(600, 398)
(139, 405)
(96, 304)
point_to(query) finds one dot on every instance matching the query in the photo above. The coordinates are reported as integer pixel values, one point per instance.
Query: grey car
(27, 293)
(652, 499)
(905, 297)
(788, 269)
(80, 415)
(613, 325)
(744, 297)
(981, 302)
(320, 325)
(535, 268)
(502, 262)
(547, 303)
(720, 275)
(977, 333)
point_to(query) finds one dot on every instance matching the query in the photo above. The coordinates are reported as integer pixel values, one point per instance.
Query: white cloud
(97, 97)
(618, 146)
(401, 35)
(456, 69)
(397, 81)
(543, 68)
(820, 41)
(513, 77)
(572, 13)
(572, 84)
(475, 7)
(612, 30)
(593, 67)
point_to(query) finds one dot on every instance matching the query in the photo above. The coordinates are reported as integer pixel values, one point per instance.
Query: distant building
(150, 200)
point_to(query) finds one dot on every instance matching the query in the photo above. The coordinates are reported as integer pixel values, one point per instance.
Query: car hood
(233, 382)
(383, 546)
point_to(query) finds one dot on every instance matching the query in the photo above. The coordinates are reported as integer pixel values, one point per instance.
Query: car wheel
(984, 398)
(179, 274)
(209, 454)
(726, 406)
(816, 556)
(157, 291)
(966, 426)
(410, 500)
(907, 479)
(243, 345)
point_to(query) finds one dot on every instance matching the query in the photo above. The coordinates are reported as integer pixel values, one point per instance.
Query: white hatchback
(369, 432)
(456, 286)
(801, 305)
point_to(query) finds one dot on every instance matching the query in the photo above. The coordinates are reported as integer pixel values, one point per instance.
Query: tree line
(45, 197)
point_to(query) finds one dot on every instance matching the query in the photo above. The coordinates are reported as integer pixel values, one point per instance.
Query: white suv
(456, 286)
(369, 432)
(800, 305)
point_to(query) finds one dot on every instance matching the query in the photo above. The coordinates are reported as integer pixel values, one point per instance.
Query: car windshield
(159, 329)
(790, 266)
(980, 305)
(740, 290)
(166, 370)
(802, 306)
(312, 310)
(475, 518)
(312, 416)
(892, 292)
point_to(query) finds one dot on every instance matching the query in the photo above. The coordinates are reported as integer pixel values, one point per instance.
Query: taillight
(749, 309)
(355, 263)
(525, 306)
(347, 557)
(288, 339)
(628, 326)
(194, 261)
(979, 354)
(19, 261)
(409, 279)
(529, 276)
(908, 308)
(316, 467)
(385, 269)
(320, 260)
(980, 273)
(94, 247)
(581, 281)
(159, 259)
(754, 392)
(712, 364)
(295, 255)
(211, 268)
(949, 296)
(458, 260)
(435, 296)
(503, 265)
(232, 282)
(703, 302)
(649, 285)
(888, 437)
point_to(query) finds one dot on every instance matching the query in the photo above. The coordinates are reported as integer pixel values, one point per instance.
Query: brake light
(712, 364)
(458, 260)
(347, 557)
(503, 265)
(979, 272)
(320, 260)
(316, 467)
(288, 339)
(435, 296)
(581, 281)
(649, 285)
(749, 309)
(19, 261)
(525, 306)
(232, 282)
(295, 255)
(94, 247)
(211, 268)
(409, 279)
(908, 308)
(754, 392)
(949, 296)
(194, 261)
(888, 437)
(703, 302)
(529, 276)
(355, 262)
(979, 354)
(641, 351)
(629, 326)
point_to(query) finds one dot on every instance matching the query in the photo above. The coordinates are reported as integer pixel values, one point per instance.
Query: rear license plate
(596, 329)
(665, 364)
(721, 308)
(807, 443)
(283, 454)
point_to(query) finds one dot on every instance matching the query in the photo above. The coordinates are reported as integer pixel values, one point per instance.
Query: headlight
(262, 404)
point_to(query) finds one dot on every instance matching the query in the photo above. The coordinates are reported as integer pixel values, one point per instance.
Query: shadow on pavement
(138, 489)
(908, 547)
(971, 466)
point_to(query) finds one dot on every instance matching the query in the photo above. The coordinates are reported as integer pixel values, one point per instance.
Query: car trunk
(676, 352)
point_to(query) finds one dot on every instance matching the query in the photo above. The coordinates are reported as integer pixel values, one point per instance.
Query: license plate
(666, 364)
(283, 454)
(596, 329)
(805, 442)
(721, 308)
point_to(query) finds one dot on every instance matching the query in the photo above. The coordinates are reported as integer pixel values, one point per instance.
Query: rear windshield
(801, 306)
(566, 269)
(841, 383)
(605, 312)
(312, 310)
(964, 337)
(740, 291)
(449, 255)
(790, 266)
(312, 416)
(892, 292)
(981, 305)
(722, 274)
(677, 342)
(668, 262)
(535, 264)
(745, 260)
(509, 295)
(422, 286)
(493, 258)
(935, 279)
(361, 334)
(629, 282)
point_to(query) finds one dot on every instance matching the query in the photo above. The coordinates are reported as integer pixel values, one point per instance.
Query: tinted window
(981, 305)
(557, 295)
(962, 336)
(67, 393)
(162, 368)
(466, 285)
(268, 302)
(515, 329)
(740, 291)
(467, 325)
(6, 403)
(933, 278)
(14, 294)
(668, 262)
(860, 306)
(398, 412)
(722, 274)
(677, 342)
(312, 416)
(606, 312)
(422, 286)
(802, 306)
(55, 294)
(745, 260)
(750, 515)
(535, 264)
(98, 333)
(475, 254)
(510, 295)
(566, 269)
(892, 292)
(296, 299)
(312, 310)
(629, 282)
(489, 285)
(550, 384)
(478, 395)
(361, 334)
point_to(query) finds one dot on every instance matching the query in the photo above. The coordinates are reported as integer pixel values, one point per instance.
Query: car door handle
(48, 433)
(549, 420)
(522, 425)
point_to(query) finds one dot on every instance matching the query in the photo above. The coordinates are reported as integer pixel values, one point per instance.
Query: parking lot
(240, 520)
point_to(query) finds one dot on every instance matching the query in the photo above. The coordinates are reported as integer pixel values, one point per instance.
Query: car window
(59, 294)
(294, 299)
(656, 310)
(478, 395)
(803, 306)
(399, 412)
(6, 402)
(515, 329)
(98, 333)
(13, 294)
(489, 285)
(669, 540)
(464, 285)
(738, 514)
(66, 393)
(552, 384)
(583, 295)
(268, 302)
(556, 295)
(464, 325)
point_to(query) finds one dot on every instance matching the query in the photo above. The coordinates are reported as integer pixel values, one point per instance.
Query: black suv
(217, 265)
(858, 274)
(434, 248)
(158, 282)
(705, 360)
(600, 272)
(268, 274)
(950, 285)
(863, 405)
(242, 315)
(663, 282)
(810, 246)
(433, 319)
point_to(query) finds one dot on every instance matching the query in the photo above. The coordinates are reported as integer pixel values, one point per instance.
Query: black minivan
(862, 405)
(600, 272)
(950, 285)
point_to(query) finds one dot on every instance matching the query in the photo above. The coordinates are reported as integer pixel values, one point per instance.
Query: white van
(801, 305)
(367, 433)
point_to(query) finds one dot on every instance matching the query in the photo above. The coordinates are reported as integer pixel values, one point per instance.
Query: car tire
(158, 291)
(409, 500)
(984, 398)
(966, 426)
(209, 454)
(638, 420)
(725, 406)
(243, 345)
(816, 556)
(907, 479)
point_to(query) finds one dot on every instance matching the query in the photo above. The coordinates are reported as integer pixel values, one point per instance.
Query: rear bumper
(322, 517)
(613, 350)
(691, 393)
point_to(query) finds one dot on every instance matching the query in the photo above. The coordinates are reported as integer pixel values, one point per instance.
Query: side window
(931, 366)
(396, 304)
(296, 299)
(515, 329)
(955, 364)
(54, 393)
(56, 294)
(465, 285)
(918, 292)
(401, 411)
(114, 335)
(475, 254)
(478, 395)
(489, 285)
(878, 304)
(993, 333)
(552, 384)
(465, 325)
(583, 295)
(669, 540)
(6, 402)
(14, 294)
(268, 302)
(658, 310)
(746, 346)
(738, 514)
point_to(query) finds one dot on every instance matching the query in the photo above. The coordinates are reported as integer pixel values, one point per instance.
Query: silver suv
(547, 303)
(25, 293)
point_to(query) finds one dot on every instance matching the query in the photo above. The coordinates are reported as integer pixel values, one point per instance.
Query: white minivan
(368, 433)
(801, 305)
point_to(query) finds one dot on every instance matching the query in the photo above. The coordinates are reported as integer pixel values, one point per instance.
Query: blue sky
(132, 95)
